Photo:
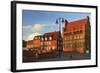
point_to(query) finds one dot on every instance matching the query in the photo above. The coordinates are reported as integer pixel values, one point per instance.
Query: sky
(39, 22)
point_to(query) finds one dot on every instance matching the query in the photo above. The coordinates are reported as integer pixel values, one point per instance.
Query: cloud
(26, 27)
(31, 36)
(38, 27)
(35, 27)
(30, 30)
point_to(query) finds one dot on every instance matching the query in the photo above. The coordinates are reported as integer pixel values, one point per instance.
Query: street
(55, 57)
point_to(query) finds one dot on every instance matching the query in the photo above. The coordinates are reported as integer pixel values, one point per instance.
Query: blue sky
(39, 22)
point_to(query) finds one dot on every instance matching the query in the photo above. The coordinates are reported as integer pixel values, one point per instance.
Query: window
(49, 48)
(80, 31)
(75, 36)
(42, 39)
(65, 38)
(53, 47)
(81, 36)
(38, 37)
(70, 37)
(41, 43)
(49, 43)
(71, 45)
(45, 38)
(50, 38)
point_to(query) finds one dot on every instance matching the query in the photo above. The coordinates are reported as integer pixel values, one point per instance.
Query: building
(35, 43)
(24, 43)
(46, 42)
(49, 41)
(77, 36)
(29, 44)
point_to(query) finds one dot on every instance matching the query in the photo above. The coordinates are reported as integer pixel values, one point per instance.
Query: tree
(24, 43)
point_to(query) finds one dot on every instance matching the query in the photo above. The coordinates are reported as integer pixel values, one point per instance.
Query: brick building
(77, 36)
(35, 43)
(29, 44)
(49, 41)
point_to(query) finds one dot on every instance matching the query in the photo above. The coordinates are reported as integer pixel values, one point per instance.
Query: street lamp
(59, 21)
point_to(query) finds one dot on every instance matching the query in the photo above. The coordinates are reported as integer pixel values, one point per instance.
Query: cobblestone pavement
(55, 57)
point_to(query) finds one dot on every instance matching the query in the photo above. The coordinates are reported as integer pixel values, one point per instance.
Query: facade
(46, 42)
(35, 43)
(29, 44)
(77, 36)
(49, 41)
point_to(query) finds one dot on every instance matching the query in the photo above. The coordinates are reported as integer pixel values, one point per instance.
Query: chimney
(66, 23)
(88, 18)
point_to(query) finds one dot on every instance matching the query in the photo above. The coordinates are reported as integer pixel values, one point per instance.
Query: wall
(5, 36)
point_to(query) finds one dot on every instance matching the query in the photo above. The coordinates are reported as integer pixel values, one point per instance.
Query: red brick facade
(47, 42)
(76, 37)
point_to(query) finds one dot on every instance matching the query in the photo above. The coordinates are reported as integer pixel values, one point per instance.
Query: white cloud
(38, 27)
(35, 27)
(27, 27)
(29, 31)
(31, 36)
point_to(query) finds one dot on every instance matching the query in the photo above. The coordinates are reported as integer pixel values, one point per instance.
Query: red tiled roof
(75, 24)
(37, 37)
(29, 41)
(53, 34)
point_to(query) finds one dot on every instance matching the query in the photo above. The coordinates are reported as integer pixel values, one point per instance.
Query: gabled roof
(54, 35)
(37, 37)
(75, 24)
(30, 42)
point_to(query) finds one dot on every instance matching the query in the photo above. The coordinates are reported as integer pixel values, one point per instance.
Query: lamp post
(59, 21)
